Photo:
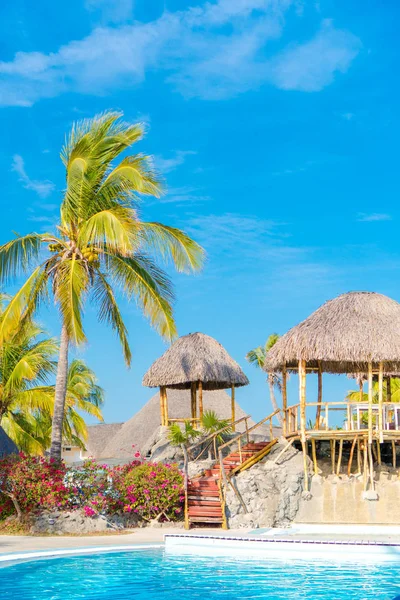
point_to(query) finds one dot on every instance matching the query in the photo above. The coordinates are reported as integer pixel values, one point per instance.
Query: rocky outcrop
(271, 493)
(75, 522)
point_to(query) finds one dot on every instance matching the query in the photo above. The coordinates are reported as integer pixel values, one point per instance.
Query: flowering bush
(148, 490)
(152, 490)
(31, 482)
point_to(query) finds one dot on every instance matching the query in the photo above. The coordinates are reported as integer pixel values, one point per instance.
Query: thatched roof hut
(196, 362)
(343, 336)
(7, 446)
(192, 358)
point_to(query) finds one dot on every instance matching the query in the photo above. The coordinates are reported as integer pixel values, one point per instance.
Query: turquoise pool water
(148, 574)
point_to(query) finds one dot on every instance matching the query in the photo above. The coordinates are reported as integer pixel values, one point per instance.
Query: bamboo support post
(339, 462)
(359, 467)
(163, 406)
(233, 406)
(240, 450)
(394, 453)
(365, 469)
(302, 393)
(284, 400)
(369, 403)
(314, 456)
(318, 415)
(380, 412)
(200, 393)
(378, 452)
(186, 481)
(333, 453)
(371, 466)
(354, 444)
(247, 431)
(374, 452)
(193, 396)
(304, 447)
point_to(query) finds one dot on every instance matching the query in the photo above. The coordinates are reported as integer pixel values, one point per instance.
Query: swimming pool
(150, 573)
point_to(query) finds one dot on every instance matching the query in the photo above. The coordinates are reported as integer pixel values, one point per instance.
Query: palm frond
(16, 256)
(138, 174)
(113, 228)
(70, 286)
(109, 312)
(140, 278)
(174, 244)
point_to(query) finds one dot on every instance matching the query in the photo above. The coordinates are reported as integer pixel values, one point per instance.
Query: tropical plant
(257, 357)
(100, 245)
(178, 436)
(83, 396)
(354, 395)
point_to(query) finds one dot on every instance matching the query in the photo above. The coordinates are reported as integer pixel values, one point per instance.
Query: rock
(197, 467)
(371, 495)
(76, 522)
(271, 493)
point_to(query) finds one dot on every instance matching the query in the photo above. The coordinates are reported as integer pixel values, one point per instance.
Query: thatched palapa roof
(343, 335)
(195, 357)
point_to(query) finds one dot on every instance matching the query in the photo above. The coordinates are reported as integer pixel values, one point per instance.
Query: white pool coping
(57, 552)
(283, 548)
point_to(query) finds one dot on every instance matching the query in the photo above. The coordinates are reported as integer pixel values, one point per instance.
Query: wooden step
(204, 502)
(205, 511)
(210, 520)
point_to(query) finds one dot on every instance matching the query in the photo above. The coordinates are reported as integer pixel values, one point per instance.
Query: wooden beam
(284, 399)
(304, 447)
(314, 456)
(318, 415)
(233, 411)
(388, 389)
(394, 453)
(193, 393)
(200, 392)
(162, 406)
(369, 403)
(339, 462)
(380, 400)
(166, 407)
(351, 456)
(302, 394)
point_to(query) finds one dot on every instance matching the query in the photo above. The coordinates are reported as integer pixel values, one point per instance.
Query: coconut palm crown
(100, 245)
(258, 357)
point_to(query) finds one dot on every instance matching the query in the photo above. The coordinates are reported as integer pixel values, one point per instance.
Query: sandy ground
(22, 543)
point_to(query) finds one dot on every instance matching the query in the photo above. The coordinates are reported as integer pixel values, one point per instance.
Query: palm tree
(27, 363)
(100, 245)
(83, 396)
(257, 357)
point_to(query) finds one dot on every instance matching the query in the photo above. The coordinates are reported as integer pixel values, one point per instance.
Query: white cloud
(214, 51)
(42, 188)
(371, 217)
(312, 66)
(166, 165)
(111, 11)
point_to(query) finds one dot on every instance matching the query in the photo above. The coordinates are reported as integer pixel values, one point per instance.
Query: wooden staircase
(204, 497)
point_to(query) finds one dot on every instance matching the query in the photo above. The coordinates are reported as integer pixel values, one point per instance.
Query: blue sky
(275, 124)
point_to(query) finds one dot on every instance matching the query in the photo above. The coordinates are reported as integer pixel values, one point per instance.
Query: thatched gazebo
(196, 362)
(357, 332)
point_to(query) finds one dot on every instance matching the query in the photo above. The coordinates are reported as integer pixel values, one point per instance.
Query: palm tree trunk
(59, 400)
(273, 399)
